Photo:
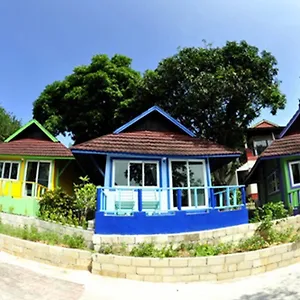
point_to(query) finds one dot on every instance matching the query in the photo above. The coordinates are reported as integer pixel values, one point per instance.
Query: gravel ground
(23, 279)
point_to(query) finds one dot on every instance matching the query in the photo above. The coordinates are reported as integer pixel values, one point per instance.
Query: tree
(92, 101)
(216, 92)
(8, 124)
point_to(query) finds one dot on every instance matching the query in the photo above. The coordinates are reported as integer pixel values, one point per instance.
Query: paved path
(28, 280)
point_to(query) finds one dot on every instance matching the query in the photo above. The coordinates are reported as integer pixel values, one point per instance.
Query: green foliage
(100, 94)
(8, 124)
(85, 195)
(270, 211)
(265, 236)
(11, 209)
(32, 234)
(58, 206)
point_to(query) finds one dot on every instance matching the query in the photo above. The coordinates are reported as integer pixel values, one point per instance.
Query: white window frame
(37, 172)
(143, 162)
(188, 182)
(293, 184)
(10, 162)
(277, 186)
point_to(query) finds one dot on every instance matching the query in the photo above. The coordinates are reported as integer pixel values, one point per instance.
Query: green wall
(22, 206)
(287, 187)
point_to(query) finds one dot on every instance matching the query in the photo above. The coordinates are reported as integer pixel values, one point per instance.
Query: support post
(243, 196)
(140, 200)
(179, 199)
(99, 202)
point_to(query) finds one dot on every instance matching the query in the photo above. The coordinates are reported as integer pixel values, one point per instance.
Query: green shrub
(272, 211)
(31, 233)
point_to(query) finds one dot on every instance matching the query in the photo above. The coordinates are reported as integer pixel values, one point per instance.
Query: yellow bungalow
(32, 161)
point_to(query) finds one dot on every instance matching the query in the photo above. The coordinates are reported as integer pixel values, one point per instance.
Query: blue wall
(176, 222)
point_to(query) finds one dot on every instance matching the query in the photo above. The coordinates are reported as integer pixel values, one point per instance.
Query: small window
(135, 173)
(9, 170)
(295, 172)
(273, 183)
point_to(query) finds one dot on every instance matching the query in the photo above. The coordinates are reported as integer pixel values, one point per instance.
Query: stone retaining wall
(228, 234)
(20, 221)
(212, 268)
(53, 255)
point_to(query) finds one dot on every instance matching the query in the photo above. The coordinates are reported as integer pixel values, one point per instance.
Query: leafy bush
(58, 206)
(85, 196)
(265, 236)
(31, 233)
(272, 211)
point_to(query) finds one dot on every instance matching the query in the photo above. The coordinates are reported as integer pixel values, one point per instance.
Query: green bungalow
(277, 170)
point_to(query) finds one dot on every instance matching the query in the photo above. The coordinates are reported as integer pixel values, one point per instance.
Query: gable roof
(290, 123)
(261, 123)
(153, 143)
(34, 147)
(30, 123)
(160, 111)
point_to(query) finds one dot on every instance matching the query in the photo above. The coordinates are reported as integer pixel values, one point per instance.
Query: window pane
(31, 171)
(1, 169)
(121, 172)
(136, 177)
(14, 171)
(6, 170)
(260, 146)
(179, 179)
(296, 173)
(44, 172)
(196, 174)
(150, 171)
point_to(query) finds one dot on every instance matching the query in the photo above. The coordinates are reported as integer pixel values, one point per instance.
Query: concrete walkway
(23, 279)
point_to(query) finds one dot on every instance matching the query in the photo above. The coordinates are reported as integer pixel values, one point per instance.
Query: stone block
(285, 263)
(109, 267)
(234, 258)
(275, 258)
(71, 253)
(215, 260)
(141, 261)
(145, 271)
(271, 267)
(127, 269)
(200, 270)
(83, 263)
(208, 277)
(85, 255)
(266, 252)
(178, 262)
(197, 261)
(232, 267)
(225, 276)
(96, 266)
(258, 270)
(123, 260)
(242, 273)
(250, 256)
(159, 262)
(103, 258)
(217, 269)
(281, 249)
(164, 271)
(244, 265)
(135, 277)
(287, 255)
(109, 273)
(183, 271)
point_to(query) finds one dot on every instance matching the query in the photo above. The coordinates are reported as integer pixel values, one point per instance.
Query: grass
(50, 238)
(264, 237)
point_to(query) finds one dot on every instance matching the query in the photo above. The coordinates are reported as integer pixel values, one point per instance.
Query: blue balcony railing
(128, 200)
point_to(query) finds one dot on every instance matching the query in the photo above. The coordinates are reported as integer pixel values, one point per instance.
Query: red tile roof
(35, 147)
(153, 142)
(285, 146)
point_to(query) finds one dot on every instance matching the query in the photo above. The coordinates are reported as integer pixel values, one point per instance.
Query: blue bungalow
(157, 178)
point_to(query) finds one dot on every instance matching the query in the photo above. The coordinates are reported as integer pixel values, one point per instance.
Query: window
(9, 170)
(295, 172)
(260, 146)
(189, 174)
(135, 173)
(273, 183)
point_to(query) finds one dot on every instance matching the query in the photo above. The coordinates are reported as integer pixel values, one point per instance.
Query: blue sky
(42, 41)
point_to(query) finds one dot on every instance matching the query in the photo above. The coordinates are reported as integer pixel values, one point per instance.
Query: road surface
(28, 280)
